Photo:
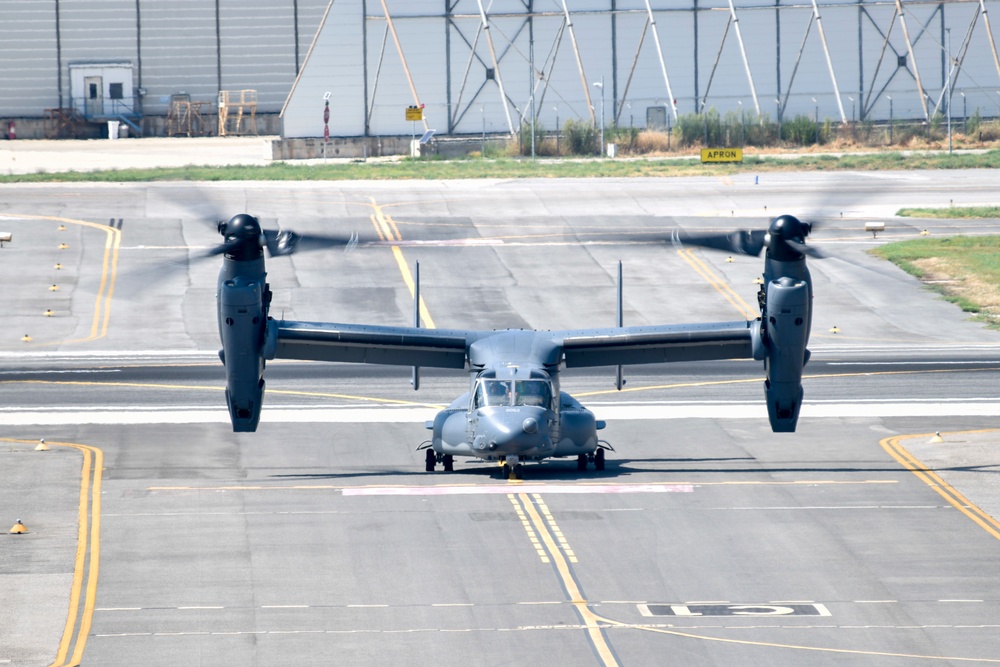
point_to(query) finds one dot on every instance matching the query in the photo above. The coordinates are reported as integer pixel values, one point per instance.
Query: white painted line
(515, 488)
(284, 606)
(390, 414)
(188, 608)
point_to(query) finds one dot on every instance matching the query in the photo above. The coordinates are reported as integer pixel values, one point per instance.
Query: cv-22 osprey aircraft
(514, 411)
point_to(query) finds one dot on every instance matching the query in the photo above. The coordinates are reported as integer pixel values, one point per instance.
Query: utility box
(656, 118)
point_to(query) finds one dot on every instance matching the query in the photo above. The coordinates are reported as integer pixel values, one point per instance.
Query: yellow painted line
(705, 272)
(896, 450)
(528, 529)
(555, 529)
(88, 552)
(109, 274)
(686, 385)
(893, 447)
(590, 619)
(185, 387)
(794, 647)
(387, 231)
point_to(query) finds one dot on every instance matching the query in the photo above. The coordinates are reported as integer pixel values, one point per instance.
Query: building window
(115, 90)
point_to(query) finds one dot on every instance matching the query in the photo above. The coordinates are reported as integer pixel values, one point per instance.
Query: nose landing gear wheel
(599, 459)
(581, 462)
(431, 459)
(448, 462)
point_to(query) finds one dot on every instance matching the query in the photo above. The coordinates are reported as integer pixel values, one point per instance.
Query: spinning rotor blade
(809, 250)
(281, 243)
(745, 242)
(785, 239)
(228, 246)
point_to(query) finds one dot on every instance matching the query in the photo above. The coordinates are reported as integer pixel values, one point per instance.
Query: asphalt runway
(159, 537)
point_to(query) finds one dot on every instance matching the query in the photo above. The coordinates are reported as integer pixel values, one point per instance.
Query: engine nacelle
(242, 321)
(785, 335)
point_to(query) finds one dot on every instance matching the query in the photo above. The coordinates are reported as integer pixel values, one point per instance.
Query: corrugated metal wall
(28, 58)
(448, 56)
(192, 46)
(198, 46)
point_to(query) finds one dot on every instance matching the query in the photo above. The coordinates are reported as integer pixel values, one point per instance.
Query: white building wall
(173, 47)
(337, 42)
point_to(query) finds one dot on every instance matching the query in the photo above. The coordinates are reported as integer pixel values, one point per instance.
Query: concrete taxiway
(157, 536)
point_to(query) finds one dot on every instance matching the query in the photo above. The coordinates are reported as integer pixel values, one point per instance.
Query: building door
(93, 90)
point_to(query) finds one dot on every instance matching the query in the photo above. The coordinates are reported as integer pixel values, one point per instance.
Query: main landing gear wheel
(431, 460)
(449, 463)
(599, 459)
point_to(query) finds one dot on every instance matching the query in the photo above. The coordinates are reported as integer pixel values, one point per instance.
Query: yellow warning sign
(414, 113)
(722, 155)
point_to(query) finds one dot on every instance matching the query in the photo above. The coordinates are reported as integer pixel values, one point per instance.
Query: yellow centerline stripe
(590, 619)
(285, 392)
(896, 450)
(711, 383)
(88, 541)
(388, 231)
(109, 273)
(795, 647)
(555, 529)
(705, 272)
(528, 529)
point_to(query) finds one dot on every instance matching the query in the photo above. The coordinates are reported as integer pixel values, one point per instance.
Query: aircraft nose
(511, 432)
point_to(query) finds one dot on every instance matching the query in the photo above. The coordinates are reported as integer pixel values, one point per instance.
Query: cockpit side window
(533, 392)
(492, 392)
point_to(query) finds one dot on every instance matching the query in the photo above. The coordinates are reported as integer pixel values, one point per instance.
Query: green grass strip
(476, 168)
(954, 212)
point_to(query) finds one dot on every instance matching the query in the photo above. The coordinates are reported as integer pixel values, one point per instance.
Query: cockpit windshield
(513, 392)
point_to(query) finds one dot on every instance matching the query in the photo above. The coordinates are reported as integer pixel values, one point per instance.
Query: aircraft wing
(359, 343)
(658, 344)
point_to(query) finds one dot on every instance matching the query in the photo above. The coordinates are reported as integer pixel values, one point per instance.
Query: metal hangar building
(479, 66)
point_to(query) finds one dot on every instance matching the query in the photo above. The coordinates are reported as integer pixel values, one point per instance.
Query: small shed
(103, 90)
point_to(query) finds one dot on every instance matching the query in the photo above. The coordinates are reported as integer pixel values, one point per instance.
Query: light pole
(600, 84)
(817, 120)
(777, 103)
(743, 133)
(704, 117)
(965, 114)
(556, 107)
(948, 86)
(853, 133)
(890, 119)
(482, 110)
